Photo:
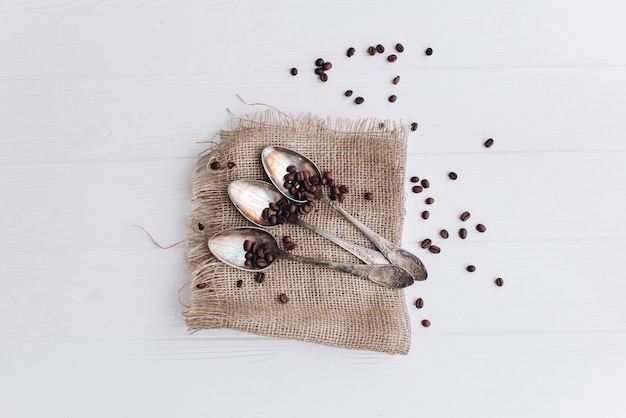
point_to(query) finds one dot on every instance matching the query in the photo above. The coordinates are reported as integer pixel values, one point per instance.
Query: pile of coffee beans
(301, 184)
(321, 68)
(257, 254)
(281, 212)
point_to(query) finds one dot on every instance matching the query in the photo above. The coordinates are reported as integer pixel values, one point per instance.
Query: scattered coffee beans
(380, 49)
(201, 285)
(392, 98)
(488, 143)
(417, 189)
(463, 233)
(392, 58)
(430, 201)
(368, 196)
(499, 282)
(350, 52)
(259, 277)
(200, 227)
(426, 243)
(294, 71)
(425, 323)
(396, 79)
(481, 228)
(429, 51)
(283, 298)
(359, 100)
(415, 179)
(425, 183)
(239, 283)
(215, 165)
(399, 48)
(465, 216)
(348, 93)
(470, 268)
(452, 175)
(425, 214)
(419, 303)
(444, 234)
(434, 249)
(414, 126)
(371, 50)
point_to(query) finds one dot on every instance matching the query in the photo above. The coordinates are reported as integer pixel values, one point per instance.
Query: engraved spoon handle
(368, 256)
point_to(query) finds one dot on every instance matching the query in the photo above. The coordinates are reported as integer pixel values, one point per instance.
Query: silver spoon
(228, 246)
(275, 161)
(250, 197)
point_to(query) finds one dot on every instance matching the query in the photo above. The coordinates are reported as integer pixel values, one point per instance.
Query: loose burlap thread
(325, 306)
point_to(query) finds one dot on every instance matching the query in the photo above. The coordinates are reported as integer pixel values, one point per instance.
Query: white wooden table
(104, 106)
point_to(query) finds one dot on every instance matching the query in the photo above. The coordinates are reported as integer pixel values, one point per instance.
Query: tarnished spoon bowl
(275, 161)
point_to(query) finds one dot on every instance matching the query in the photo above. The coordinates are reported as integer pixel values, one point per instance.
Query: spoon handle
(384, 274)
(366, 255)
(394, 253)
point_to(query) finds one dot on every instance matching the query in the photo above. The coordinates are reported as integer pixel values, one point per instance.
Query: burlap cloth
(325, 306)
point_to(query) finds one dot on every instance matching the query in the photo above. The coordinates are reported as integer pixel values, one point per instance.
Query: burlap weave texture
(325, 306)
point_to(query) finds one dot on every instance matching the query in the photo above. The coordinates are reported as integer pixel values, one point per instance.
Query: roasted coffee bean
(261, 263)
(215, 165)
(392, 98)
(200, 227)
(324, 77)
(429, 51)
(247, 245)
(201, 285)
(415, 179)
(444, 234)
(425, 323)
(287, 238)
(414, 126)
(239, 283)
(463, 233)
(327, 66)
(425, 183)
(359, 100)
(434, 249)
(417, 189)
(248, 262)
(294, 71)
(283, 298)
(396, 79)
(481, 228)
(465, 216)
(269, 257)
(259, 277)
(499, 282)
(419, 303)
(426, 243)
(392, 58)
(425, 214)
(399, 48)
(368, 196)
(430, 201)
(488, 143)
(350, 52)
(471, 268)
(291, 168)
(371, 50)
(348, 93)
(380, 49)
(319, 71)
(319, 62)
(452, 175)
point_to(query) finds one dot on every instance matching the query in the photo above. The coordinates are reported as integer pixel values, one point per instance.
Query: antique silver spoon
(275, 161)
(251, 197)
(228, 246)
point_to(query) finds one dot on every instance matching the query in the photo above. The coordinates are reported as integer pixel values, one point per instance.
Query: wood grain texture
(105, 105)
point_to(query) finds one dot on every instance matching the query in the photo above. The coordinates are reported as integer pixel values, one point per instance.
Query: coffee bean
(396, 80)
(200, 227)
(350, 52)
(292, 168)
(434, 249)
(425, 183)
(430, 201)
(368, 196)
(463, 233)
(414, 126)
(359, 100)
(371, 50)
(231, 164)
(417, 189)
(287, 239)
(429, 51)
(294, 71)
(399, 48)
(425, 323)
(392, 58)
(444, 234)
(380, 49)
(488, 143)
(470, 268)
(419, 303)
(327, 66)
(465, 216)
(324, 77)
(426, 243)
(259, 277)
(499, 282)
(215, 165)
(415, 179)
(348, 93)
(319, 62)
(201, 285)
(392, 98)
(283, 298)
(239, 283)
(452, 175)
(247, 245)
(425, 214)
(319, 71)
(481, 228)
